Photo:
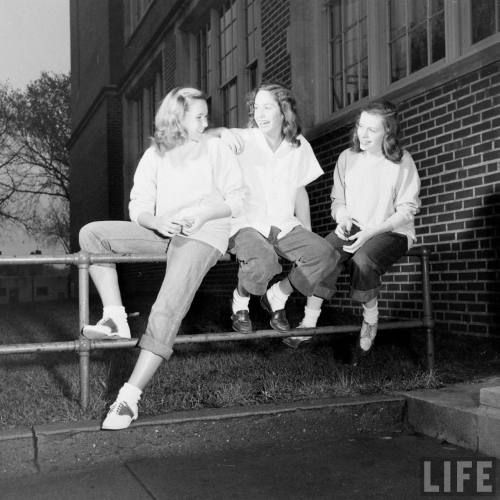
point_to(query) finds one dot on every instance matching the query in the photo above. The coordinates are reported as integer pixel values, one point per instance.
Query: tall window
(485, 18)
(203, 61)
(348, 52)
(224, 44)
(144, 107)
(416, 35)
(228, 40)
(251, 37)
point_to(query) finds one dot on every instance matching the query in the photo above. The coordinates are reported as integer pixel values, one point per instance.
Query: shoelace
(117, 406)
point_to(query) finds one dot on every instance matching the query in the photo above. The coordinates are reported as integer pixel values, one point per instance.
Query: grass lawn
(42, 388)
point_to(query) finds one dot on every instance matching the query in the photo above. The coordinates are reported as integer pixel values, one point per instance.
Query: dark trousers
(258, 258)
(368, 264)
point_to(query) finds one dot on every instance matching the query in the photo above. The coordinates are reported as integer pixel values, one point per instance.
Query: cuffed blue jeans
(368, 264)
(258, 258)
(188, 261)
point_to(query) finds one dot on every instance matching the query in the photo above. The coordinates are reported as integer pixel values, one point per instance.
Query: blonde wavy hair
(169, 131)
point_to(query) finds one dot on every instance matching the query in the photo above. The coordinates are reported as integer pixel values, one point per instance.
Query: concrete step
(467, 415)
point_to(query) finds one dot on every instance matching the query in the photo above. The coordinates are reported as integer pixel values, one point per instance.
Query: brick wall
(275, 15)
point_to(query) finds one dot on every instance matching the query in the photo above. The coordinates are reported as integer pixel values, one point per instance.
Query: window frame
(244, 69)
(459, 50)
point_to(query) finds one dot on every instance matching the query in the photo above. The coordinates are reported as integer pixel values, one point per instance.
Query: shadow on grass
(45, 387)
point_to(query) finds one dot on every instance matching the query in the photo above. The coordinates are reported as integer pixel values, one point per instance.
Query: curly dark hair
(288, 107)
(391, 147)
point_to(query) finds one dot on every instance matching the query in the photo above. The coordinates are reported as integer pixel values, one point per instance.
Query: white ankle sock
(115, 312)
(370, 314)
(310, 317)
(240, 303)
(130, 393)
(276, 297)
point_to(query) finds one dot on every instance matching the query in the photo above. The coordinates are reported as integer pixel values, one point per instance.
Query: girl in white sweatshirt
(375, 197)
(186, 188)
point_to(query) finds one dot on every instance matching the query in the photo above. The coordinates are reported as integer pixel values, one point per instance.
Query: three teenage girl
(190, 195)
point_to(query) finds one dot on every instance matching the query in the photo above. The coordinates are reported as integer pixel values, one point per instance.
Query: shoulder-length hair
(391, 147)
(288, 106)
(169, 131)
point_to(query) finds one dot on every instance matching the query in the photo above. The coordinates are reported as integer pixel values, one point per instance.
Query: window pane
(417, 35)
(483, 19)
(437, 34)
(348, 49)
(418, 44)
(230, 104)
(398, 59)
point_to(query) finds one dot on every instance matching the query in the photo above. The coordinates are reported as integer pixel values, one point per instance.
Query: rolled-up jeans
(188, 261)
(258, 258)
(368, 264)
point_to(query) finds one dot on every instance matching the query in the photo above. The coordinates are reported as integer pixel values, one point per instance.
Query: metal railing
(83, 346)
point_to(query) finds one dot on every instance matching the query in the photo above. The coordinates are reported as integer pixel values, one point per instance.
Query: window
(348, 52)
(203, 61)
(42, 291)
(144, 105)
(371, 48)
(226, 45)
(228, 42)
(3, 292)
(416, 35)
(485, 18)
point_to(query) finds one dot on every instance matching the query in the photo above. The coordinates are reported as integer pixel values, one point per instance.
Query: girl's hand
(191, 225)
(358, 239)
(344, 228)
(232, 140)
(167, 226)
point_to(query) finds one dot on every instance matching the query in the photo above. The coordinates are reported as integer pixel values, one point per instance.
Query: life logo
(470, 477)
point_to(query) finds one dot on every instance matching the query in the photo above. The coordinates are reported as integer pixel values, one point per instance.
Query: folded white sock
(239, 303)
(130, 393)
(370, 314)
(310, 317)
(276, 297)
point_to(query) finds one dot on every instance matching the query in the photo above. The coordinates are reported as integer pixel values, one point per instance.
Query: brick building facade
(439, 60)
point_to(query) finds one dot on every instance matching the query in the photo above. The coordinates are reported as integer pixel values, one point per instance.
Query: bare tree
(35, 126)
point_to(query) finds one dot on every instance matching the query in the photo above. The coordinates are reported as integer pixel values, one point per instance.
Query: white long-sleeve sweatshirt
(372, 190)
(185, 181)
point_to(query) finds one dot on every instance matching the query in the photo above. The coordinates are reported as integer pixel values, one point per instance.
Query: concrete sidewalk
(340, 449)
(338, 463)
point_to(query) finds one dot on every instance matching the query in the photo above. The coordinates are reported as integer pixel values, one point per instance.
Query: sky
(34, 37)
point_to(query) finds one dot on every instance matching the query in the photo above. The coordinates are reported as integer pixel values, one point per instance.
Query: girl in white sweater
(186, 188)
(375, 197)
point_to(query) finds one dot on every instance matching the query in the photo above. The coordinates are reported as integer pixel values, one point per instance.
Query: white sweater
(371, 191)
(187, 179)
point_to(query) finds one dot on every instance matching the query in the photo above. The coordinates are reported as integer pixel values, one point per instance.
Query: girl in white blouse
(187, 187)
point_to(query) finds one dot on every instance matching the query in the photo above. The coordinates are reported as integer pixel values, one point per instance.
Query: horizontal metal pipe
(198, 338)
(75, 258)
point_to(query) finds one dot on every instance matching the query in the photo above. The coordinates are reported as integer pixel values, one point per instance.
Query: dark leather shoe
(242, 322)
(278, 320)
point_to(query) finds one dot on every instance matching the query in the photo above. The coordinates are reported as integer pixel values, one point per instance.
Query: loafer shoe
(297, 340)
(241, 321)
(278, 320)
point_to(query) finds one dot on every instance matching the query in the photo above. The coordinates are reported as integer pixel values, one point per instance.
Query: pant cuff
(364, 295)
(149, 344)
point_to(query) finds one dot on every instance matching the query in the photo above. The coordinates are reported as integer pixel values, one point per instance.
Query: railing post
(84, 344)
(428, 318)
